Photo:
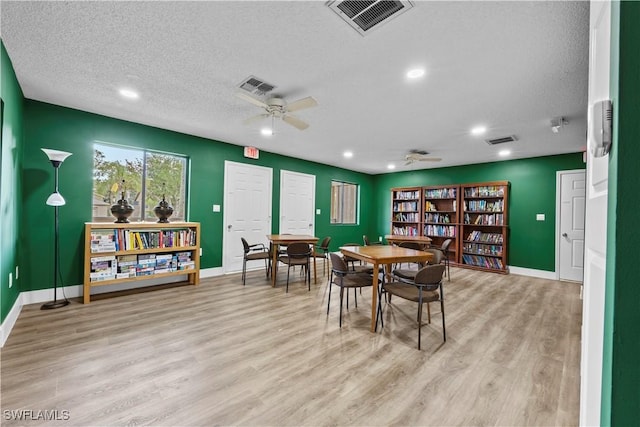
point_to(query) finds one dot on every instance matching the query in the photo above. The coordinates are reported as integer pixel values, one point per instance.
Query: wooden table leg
(374, 297)
(315, 271)
(274, 264)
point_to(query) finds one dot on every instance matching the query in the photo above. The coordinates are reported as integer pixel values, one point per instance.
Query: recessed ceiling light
(348, 154)
(128, 93)
(391, 166)
(503, 153)
(415, 73)
(266, 132)
(478, 130)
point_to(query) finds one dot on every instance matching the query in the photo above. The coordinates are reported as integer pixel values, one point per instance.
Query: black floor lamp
(56, 200)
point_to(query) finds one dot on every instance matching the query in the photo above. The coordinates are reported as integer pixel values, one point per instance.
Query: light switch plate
(317, 211)
(539, 217)
(216, 208)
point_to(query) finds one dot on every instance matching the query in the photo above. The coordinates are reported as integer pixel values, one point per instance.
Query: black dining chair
(254, 252)
(426, 288)
(298, 253)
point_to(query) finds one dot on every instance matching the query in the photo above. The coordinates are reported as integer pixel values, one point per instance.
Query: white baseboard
(10, 320)
(211, 272)
(542, 274)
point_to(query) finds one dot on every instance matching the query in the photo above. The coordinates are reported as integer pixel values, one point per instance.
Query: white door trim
(558, 203)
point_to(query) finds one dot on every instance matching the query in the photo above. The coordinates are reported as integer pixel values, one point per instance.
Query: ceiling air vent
(256, 86)
(501, 140)
(365, 16)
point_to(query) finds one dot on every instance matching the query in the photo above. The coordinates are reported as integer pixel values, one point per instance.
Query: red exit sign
(251, 152)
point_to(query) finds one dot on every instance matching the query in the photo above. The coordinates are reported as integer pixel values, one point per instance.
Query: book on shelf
(127, 266)
(103, 268)
(103, 241)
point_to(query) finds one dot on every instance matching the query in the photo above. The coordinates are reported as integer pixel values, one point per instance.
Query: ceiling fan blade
(430, 159)
(255, 118)
(251, 99)
(295, 122)
(300, 104)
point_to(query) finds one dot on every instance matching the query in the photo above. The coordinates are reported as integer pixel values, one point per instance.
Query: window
(143, 176)
(344, 203)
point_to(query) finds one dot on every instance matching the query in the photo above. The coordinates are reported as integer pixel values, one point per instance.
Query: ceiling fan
(278, 108)
(419, 156)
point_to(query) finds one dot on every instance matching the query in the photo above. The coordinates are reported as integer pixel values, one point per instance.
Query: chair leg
(244, 271)
(355, 296)
(287, 286)
(444, 331)
(428, 313)
(419, 321)
(341, 295)
(329, 299)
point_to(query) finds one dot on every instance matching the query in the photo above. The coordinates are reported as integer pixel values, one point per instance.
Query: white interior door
(247, 211)
(571, 225)
(596, 224)
(297, 203)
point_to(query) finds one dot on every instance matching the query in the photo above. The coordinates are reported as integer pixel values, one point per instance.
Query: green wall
(533, 191)
(621, 370)
(10, 184)
(56, 127)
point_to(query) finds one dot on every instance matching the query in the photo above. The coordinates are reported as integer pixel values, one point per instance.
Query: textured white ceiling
(512, 66)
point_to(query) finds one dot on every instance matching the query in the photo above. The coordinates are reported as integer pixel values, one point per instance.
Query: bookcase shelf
(484, 227)
(136, 252)
(474, 216)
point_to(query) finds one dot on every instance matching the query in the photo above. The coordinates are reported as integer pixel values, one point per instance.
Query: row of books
(440, 230)
(112, 267)
(432, 207)
(113, 240)
(439, 218)
(487, 219)
(484, 206)
(406, 195)
(407, 217)
(479, 236)
(405, 231)
(482, 249)
(405, 207)
(483, 261)
(485, 191)
(440, 193)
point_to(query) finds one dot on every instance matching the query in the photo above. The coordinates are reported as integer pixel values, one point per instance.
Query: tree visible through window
(344, 203)
(144, 177)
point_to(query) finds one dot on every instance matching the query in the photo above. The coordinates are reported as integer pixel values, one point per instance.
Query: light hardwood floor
(224, 354)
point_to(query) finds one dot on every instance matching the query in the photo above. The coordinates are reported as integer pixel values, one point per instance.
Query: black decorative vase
(122, 210)
(163, 211)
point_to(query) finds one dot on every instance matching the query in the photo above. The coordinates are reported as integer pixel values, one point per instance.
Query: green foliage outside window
(145, 177)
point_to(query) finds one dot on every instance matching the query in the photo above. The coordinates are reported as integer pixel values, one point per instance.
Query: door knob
(229, 227)
(564, 235)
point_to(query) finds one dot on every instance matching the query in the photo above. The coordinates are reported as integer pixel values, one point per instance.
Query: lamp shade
(56, 155)
(56, 199)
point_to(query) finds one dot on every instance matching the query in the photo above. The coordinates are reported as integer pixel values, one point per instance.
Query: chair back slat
(298, 250)
(338, 264)
(430, 275)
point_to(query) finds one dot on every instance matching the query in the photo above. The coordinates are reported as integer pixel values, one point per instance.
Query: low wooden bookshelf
(136, 252)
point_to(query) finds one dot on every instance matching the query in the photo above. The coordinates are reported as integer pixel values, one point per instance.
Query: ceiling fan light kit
(277, 107)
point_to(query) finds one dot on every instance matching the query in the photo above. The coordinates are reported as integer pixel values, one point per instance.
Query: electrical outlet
(17, 272)
(200, 251)
(10, 280)
(379, 238)
(540, 217)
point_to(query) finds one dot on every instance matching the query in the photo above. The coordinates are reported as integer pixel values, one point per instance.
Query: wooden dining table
(286, 239)
(424, 241)
(383, 255)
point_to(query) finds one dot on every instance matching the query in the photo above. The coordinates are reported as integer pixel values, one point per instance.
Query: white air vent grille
(501, 140)
(364, 16)
(256, 86)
